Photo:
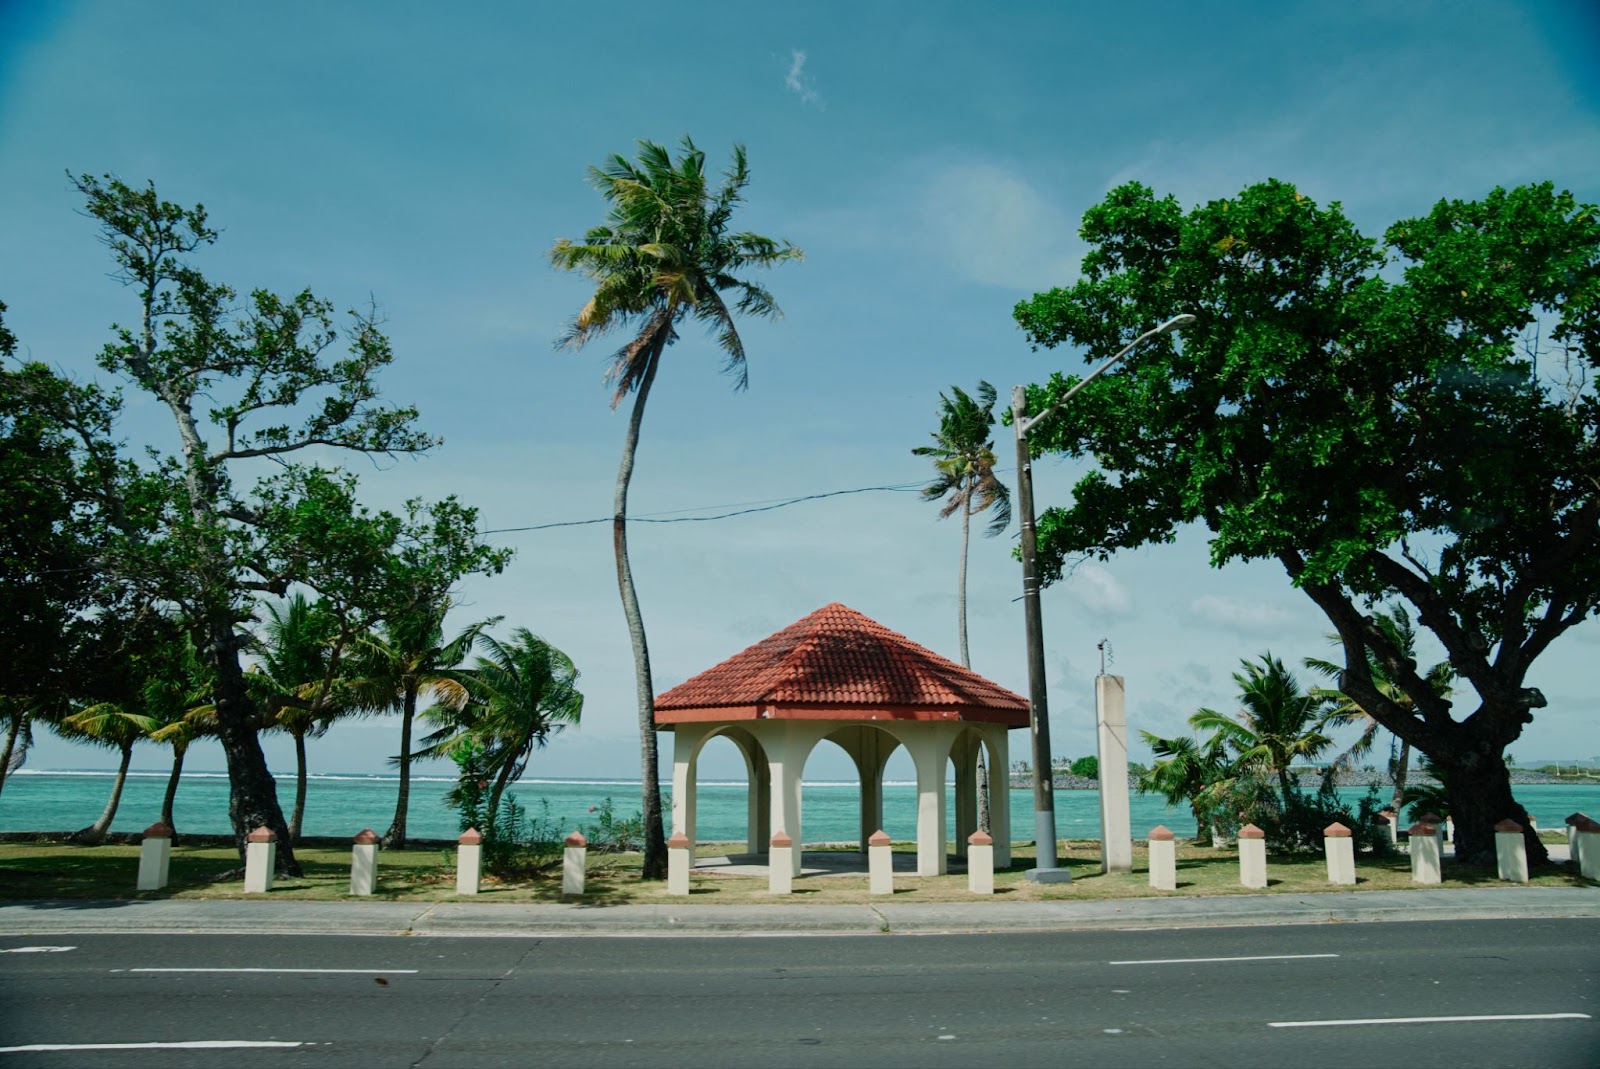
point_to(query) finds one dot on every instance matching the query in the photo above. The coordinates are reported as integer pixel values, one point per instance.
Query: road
(1299, 996)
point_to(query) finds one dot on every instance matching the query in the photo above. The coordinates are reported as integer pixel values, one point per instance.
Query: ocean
(338, 805)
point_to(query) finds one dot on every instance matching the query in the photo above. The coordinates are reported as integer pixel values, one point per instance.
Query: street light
(1044, 804)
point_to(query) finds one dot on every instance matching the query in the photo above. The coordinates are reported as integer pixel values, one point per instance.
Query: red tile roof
(838, 664)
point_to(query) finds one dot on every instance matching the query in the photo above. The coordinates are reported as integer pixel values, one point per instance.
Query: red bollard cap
(158, 830)
(779, 838)
(1336, 831)
(365, 837)
(980, 838)
(1250, 831)
(1159, 834)
(577, 839)
(263, 834)
(1508, 825)
(879, 838)
(470, 837)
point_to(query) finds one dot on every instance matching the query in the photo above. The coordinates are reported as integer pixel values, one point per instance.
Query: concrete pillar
(965, 756)
(1116, 827)
(757, 841)
(364, 863)
(880, 863)
(1510, 852)
(1588, 839)
(1252, 857)
(679, 861)
(1391, 820)
(998, 740)
(155, 857)
(980, 863)
(930, 751)
(1435, 821)
(755, 766)
(469, 862)
(870, 750)
(574, 864)
(1425, 851)
(686, 741)
(788, 744)
(780, 864)
(260, 860)
(1450, 829)
(1574, 820)
(1163, 859)
(1341, 851)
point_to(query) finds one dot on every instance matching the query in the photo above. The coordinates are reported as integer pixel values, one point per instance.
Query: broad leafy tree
(665, 255)
(1412, 419)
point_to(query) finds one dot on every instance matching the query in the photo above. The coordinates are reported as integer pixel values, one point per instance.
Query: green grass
(58, 870)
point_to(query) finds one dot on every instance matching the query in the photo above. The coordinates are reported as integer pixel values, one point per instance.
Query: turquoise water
(344, 804)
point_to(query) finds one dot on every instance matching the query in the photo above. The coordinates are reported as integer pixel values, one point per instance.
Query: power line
(668, 517)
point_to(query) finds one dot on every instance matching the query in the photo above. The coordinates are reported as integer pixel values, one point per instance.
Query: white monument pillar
(1116, 830)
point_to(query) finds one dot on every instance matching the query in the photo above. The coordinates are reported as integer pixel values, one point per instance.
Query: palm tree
(115, 725)
(179, 702)
(664, 255)
(391, 667)
(511, 702)
(1189, 771)
(1277, 721)
(1396, 625)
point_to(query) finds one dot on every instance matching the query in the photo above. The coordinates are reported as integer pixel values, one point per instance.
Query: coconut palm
(115, 725)
(510, 704)
(1277, 722)
(390, 668)
(179, 703)
(1191, 772)
(664, 255)
(1395, 623)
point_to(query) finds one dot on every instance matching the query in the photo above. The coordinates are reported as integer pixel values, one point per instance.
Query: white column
(574, 864)
(781, 864)
(1392, 819)
(788, 744)
(929, 746)
(680, 859)
(155, 857)
(1425, 860)
(260, 860)
(880, 863)
(1511, 852)
(1252, 857)
(980, 863)
(1116, 829)
(364, 863)
(1588, 839)
(755, 787)
(1341, 851)
(1000, 792)
(469, 862)
(686, 740)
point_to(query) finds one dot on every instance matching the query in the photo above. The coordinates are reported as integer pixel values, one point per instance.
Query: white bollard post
(260, 859)
(1574, 822)
(1341, 850)
(364, 863)
(780, 863)
(980, 863)
(1510, 852)
(1425, 861)
(1116, 827)
(574, 864)
(1252, 856)
(1589, 849)
(678, 864)
(1438, 828)
(1163, 859)
(1392, 821)
(1450, 829)
(155, 856)
(469, 862)
(880, 863)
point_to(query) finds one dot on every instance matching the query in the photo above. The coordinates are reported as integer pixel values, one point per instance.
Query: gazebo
(839, 676)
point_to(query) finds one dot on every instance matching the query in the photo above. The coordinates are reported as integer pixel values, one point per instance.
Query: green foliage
(963, 454)
(1087, 767)
(1295, 824)
(609, 833)
(514, 842)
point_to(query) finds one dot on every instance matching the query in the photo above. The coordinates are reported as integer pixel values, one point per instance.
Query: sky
(931, 159)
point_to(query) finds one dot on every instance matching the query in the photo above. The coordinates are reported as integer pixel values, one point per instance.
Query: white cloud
(1241, 617)
(1099, 592)
(799, 83)
(991, 225)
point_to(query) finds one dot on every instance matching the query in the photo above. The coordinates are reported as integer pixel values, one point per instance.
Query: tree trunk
(961, 584)
(14, 729)
(501, 778)
(655, 841)
(299, 786)
(1480, 798)
(1397, 772)
(395, 837)
(95, 833)
(1202, 826)
(178, 750)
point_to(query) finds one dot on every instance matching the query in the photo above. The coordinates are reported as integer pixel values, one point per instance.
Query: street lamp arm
(1025, 424)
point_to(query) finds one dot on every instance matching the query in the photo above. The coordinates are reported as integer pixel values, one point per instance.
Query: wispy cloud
(798, 82)
(1242, 617)
(1098, 591)
(995, 227)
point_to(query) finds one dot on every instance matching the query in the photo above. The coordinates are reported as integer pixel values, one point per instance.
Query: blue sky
(931, 159)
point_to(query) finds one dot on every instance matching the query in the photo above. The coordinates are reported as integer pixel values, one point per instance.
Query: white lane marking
(35, 950)
(1256, 957)
(1435, 1020)
(360, 972)
(193, 1044)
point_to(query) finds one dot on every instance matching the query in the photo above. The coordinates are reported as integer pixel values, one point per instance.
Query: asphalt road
(1067, 998)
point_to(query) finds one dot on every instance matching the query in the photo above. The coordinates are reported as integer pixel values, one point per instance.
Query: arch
(688, 743)
(869, 746)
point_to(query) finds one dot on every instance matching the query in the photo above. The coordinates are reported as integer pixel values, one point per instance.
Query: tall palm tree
(664, 255)
(391, 667)
(1277, 721)
(1396, 624)
(118, 726)
(511, 702)
(1188, 771)
(179, 702)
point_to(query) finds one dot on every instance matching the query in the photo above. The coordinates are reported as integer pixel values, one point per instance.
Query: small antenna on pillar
(1107, 655)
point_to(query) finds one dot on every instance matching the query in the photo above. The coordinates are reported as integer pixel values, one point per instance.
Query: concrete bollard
(1163, 859)
(780, 863)
(1450, 829)
(880, 864)
(574, 864)
(1574, 820)
(678, 864)
(364, 863)
(1436, 822)
(1391, 822)
(980, 863)
(1252, 856)
(1341, 850)
(1589, 849)
(1510, 852)
(260, 860)
(1425, 862)
(469, 862)
(155, 856)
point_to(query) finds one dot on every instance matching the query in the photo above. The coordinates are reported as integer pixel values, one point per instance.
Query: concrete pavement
(576, 918)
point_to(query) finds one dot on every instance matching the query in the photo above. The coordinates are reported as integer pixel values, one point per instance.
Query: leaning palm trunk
(95, 833)
(14, 730)
(1397, 772)
(299, 786)
(966, 659)
(178, 750)
(395, 837)
(655, 842)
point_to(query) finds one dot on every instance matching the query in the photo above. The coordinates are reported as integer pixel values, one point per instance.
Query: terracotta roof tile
(838, 657)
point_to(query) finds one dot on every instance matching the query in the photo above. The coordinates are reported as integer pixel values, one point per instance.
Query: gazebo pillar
(686, 740)
(999, 791)
(964, 754)
(788, 743)
(930, 748)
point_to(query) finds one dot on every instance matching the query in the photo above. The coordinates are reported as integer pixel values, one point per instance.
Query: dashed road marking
(1435, 1020)
(1253, 957)
(193, 1044)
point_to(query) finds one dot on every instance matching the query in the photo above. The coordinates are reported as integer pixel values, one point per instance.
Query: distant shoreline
(1312, 779)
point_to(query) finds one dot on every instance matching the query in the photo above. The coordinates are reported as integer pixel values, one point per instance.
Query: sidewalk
(578, 919)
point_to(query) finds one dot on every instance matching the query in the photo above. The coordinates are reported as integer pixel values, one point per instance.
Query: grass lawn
(56, 870)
